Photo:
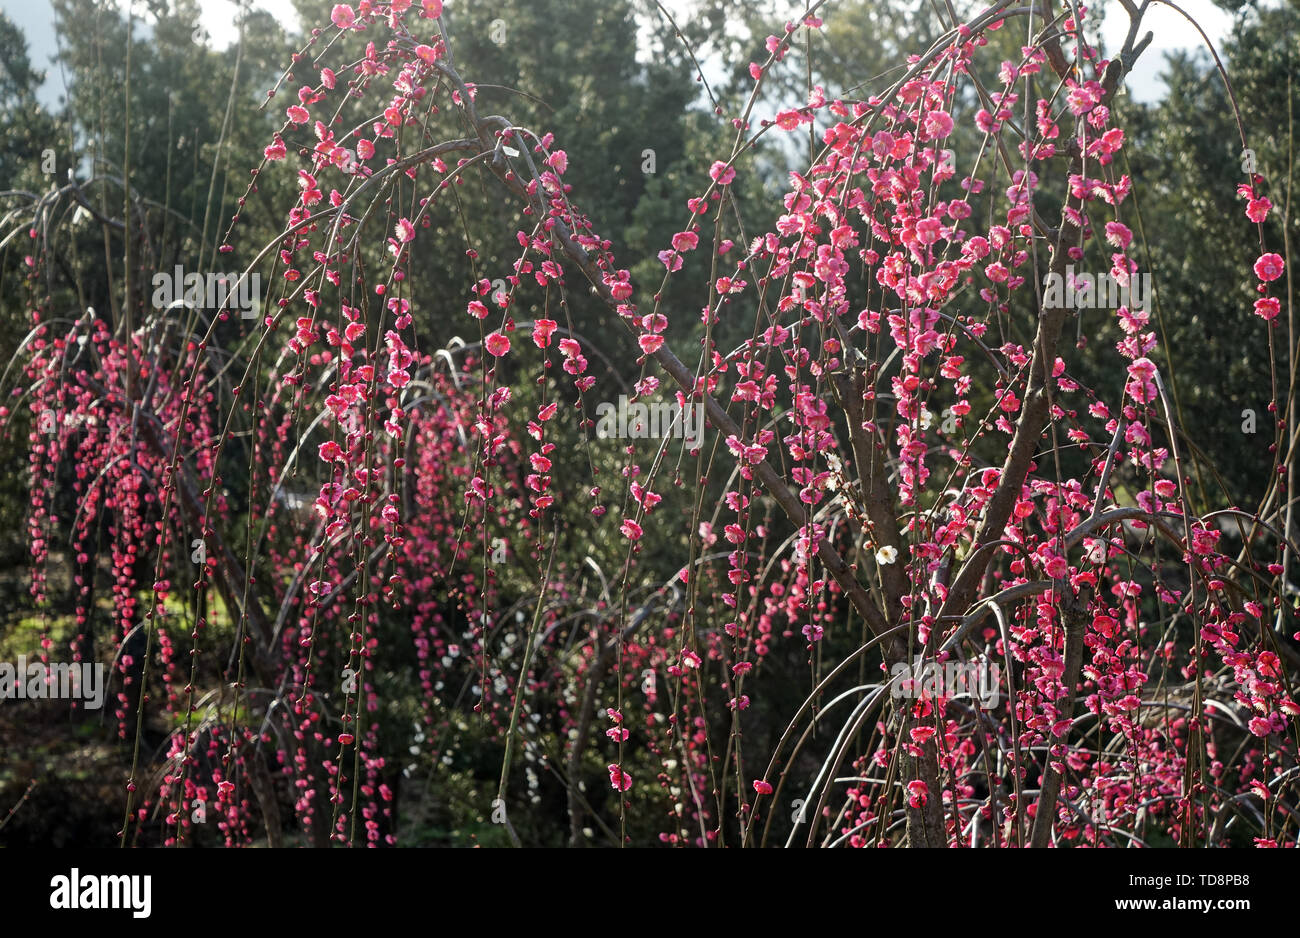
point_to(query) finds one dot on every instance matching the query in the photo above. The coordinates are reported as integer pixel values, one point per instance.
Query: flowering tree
(898, 467)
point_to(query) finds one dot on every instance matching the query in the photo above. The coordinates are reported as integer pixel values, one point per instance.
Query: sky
(1172, 31)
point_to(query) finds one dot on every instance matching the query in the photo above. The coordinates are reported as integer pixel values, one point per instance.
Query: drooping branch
(228, 573)
(487, 128)
(1036, 408)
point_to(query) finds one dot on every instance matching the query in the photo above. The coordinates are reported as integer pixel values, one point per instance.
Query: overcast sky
(36, 19)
